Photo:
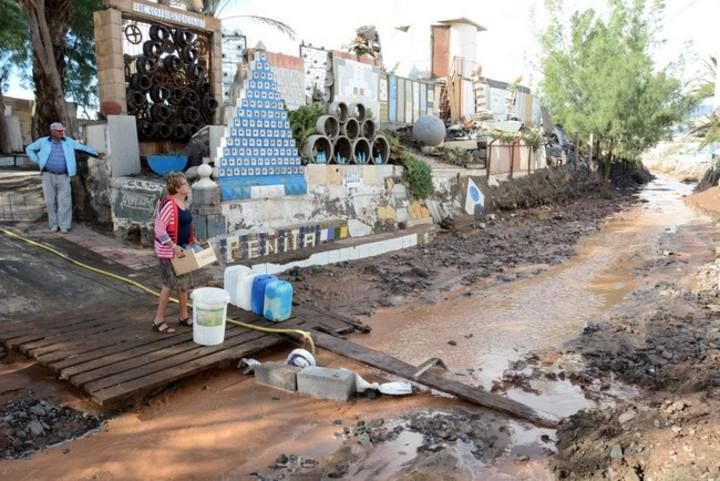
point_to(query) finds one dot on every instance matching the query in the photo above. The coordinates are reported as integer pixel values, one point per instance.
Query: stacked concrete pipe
(380, 150)
(346, 135)
(319, 149)
(342, 150)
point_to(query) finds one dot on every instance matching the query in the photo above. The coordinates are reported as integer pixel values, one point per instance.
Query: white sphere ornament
(430, 130)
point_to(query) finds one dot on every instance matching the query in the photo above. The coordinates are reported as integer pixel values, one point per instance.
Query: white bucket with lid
(209, 313)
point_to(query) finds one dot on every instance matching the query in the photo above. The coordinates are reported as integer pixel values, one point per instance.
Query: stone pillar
(207, 214)
(109, 54)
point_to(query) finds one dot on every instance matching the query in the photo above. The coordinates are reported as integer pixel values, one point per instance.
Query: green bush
(303, 120)
(418, 177)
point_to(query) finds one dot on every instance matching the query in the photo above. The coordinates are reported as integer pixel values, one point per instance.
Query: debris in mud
(482, 249)
(27, 426)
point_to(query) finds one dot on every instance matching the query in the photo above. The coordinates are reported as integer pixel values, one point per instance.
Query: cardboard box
(193, 260)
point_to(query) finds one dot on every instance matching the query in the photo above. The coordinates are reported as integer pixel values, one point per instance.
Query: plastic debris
(300, 358)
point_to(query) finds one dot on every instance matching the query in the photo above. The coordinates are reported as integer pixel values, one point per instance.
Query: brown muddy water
(221, 426)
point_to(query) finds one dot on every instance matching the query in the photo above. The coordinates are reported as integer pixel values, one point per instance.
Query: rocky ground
(29, 425)
(664, 341)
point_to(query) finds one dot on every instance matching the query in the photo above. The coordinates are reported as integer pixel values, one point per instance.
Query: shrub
(418, 176)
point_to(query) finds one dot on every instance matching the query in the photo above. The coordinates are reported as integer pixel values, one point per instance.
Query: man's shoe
(64, 231)
(53, 229)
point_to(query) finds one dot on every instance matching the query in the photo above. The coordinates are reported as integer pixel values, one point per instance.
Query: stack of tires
(168, 88)
(346, 136)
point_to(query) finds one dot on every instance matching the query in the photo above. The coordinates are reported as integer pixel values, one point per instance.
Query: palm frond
(276, 24)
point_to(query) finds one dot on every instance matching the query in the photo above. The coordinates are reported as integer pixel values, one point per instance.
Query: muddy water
(497, 324)
(222, 426)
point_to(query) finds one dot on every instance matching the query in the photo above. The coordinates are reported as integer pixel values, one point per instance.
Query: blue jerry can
(258, 292)
(278, 301)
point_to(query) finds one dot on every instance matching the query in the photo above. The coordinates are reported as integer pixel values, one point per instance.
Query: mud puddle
(486, 330)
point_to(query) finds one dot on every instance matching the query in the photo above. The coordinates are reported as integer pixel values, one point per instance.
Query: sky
(507, 49)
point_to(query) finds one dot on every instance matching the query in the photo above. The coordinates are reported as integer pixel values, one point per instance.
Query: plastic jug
(234, 277)
(209, 314)
(278, 301)
(258, 292)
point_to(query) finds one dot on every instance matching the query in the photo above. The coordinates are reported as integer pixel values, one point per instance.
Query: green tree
(600, 78)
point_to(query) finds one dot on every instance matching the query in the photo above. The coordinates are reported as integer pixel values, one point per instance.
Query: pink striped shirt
(164, 217)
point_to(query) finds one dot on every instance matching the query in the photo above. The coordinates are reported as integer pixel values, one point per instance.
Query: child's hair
(174, 181)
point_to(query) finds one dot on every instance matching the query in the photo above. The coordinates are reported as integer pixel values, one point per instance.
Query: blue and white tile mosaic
(258, 148)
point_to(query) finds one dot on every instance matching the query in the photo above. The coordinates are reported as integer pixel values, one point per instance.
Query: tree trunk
(4, 146)
(49, 22)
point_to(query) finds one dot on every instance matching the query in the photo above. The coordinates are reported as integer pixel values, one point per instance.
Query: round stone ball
(429, 130)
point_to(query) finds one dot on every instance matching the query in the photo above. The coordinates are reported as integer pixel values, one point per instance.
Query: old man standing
(56, 157)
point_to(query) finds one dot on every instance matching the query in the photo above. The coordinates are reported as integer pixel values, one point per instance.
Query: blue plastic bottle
(258, 292)
(278, 301)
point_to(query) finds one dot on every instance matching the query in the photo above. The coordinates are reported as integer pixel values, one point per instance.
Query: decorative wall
(260, 158)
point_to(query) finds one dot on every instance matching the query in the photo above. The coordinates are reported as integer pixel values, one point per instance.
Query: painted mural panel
(356, 82)
(416, 100)
(408, 101)
(401, 100)
(315, 62)
(393, 98)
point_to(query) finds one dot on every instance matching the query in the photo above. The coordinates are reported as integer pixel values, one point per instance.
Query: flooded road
(222, 426)
(496, 325)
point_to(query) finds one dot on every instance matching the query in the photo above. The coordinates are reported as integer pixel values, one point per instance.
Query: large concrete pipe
(328, 126)
(358, 112)
(318, 149)
(342, 150)
(368, 129)
(351, 129)
(380, 150)
(339, 110)
(361, 151)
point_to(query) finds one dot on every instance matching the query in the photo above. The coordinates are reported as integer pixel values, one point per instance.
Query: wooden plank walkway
(112, 354)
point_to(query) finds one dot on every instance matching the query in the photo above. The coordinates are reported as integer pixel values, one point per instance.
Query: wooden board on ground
(397, 367)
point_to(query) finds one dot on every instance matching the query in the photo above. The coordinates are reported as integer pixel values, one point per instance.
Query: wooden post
(512, 158)
(487, 161)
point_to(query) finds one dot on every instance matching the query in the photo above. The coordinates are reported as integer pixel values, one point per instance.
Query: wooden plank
(40, 336)
(115, 394)
(397, 367)
(105, 354)
(157, 361)
(136, 358)
(325, 316)
(57, 341)
(66, 343)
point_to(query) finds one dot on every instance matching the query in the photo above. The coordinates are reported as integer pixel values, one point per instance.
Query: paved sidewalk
(21, 198)
(104, 244)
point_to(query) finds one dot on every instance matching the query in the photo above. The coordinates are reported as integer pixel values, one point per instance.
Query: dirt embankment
(664, 342)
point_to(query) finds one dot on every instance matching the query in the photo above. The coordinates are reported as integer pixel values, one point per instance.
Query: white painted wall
(463, 42)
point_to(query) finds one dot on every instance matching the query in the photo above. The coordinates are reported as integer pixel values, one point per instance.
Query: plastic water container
(209, 313)
(278, 301)
(258, 292)
(235, 286)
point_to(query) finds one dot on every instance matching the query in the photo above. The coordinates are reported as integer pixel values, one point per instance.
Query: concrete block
(277, 375)
(335, 176)
(318, 174)
(369, 175)
(358, 229)
(123, 147)
(402, 215)
(386, 213)
(383, 171)
(96, 137)
(326, 383)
